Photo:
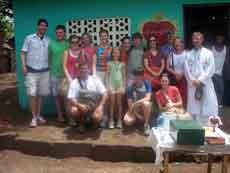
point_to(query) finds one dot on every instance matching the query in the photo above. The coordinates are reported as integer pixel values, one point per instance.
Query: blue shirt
(137, 93)
(36, 52)
(167, 49)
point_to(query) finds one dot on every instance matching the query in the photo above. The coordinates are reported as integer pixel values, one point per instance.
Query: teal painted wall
(58, 12)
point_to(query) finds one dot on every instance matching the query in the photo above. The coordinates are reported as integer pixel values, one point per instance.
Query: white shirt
(199, 65)
(178, 61)
(93, 84)
(219, 59)
(37, 51)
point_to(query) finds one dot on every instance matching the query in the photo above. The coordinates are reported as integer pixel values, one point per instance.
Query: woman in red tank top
(72, 58)
(154, 63)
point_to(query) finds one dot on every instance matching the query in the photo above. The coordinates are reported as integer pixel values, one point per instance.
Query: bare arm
(67, 75)
(94, 64)
(23, 60)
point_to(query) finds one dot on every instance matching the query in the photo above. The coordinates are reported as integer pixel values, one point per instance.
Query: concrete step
(16, 162)
(64, 142)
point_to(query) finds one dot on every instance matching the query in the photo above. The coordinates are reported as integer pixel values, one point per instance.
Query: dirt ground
(14, 162)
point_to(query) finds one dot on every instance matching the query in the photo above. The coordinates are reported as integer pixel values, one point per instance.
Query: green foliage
(6, 19)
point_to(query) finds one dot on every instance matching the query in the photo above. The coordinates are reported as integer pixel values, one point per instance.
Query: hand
(179, 76)
(83, 107)
(69, 79)
(99, 110)
(196, 83)
(24, 70)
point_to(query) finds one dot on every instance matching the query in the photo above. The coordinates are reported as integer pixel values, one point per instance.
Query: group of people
(116, 86)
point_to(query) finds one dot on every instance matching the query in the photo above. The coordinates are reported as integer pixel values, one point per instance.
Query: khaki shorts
(37, 84)
(55, 85)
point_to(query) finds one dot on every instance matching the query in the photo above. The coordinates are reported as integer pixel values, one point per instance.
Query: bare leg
(119, 97)
(39, 105)
(147, 111)
(112, 105)
(58, 100)
(33, 106)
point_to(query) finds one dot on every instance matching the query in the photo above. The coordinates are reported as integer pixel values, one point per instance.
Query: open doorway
(209, 19)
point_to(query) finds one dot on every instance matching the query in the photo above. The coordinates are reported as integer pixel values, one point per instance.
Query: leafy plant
(6, 19)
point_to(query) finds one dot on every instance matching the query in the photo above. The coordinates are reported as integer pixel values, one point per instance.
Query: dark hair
(125, 38)
(137, 35)
(42, 21)
(148, 41)
(103, 31)
(61, 27)
(139, 71)
(164, 75)
(74, 37)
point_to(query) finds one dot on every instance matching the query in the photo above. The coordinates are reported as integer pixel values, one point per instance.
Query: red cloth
(154, 63)
(182, 87)
(172, 93)
(72, 65)
(87, 55)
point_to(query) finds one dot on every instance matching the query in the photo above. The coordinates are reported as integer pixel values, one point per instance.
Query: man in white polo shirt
(34, 57)
(86, 98)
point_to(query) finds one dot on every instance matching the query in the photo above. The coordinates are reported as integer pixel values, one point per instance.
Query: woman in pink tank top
(72, 58)
(89, 52)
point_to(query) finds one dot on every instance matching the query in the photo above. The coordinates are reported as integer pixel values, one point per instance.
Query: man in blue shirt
(139, 100)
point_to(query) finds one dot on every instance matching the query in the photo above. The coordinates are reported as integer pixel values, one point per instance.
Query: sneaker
(111, 124)
(33, 122)
(146, 129)
(119, 125)
(41, 120)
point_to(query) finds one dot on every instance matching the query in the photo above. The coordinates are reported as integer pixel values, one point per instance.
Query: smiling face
(75, 43)
(84, 71)
(197, 40)
(164, 82)
(104, 38)
(116, 54)
(178, 44)
(86, 40)
(152, 42)
(126, 44)
(42, 27)
(60, 34)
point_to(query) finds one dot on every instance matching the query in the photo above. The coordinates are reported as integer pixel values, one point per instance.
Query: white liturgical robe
(199, 65)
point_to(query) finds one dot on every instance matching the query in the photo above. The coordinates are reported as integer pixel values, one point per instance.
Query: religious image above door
(118, 27)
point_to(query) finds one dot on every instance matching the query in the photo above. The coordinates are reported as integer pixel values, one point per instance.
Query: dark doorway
(209, 19)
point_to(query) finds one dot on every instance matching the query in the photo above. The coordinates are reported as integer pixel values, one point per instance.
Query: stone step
(59, 142)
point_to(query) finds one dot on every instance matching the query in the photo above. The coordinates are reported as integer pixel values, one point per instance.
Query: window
(118, 28)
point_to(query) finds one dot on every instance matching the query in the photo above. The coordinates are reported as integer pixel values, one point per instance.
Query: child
(116, 83)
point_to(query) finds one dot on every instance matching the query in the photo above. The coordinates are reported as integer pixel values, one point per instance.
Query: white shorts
(55, 85)
(37, 84)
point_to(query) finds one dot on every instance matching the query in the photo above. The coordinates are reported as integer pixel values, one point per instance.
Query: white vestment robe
(199, 65)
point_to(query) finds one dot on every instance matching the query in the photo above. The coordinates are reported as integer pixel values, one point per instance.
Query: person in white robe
(199, 69)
